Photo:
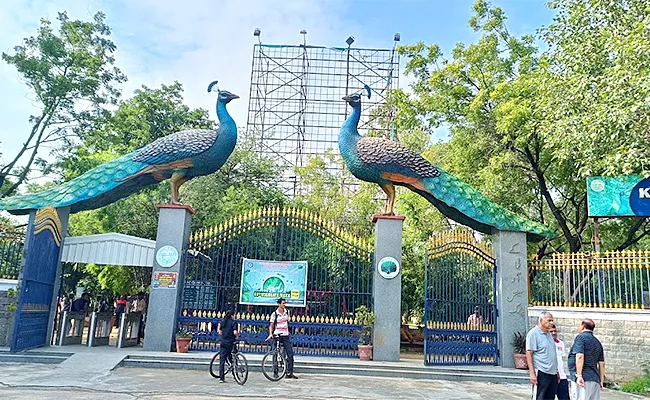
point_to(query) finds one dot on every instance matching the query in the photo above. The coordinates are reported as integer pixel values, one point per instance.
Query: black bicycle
(274, 363)
(236, 364)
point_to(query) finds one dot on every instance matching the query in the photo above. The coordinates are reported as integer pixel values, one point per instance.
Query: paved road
(33, 381)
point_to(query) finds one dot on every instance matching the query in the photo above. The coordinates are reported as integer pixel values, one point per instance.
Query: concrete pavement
(38, 381)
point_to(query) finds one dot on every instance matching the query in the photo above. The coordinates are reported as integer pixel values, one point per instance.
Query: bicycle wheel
(240, 368)
(274, 366)
(214, 366)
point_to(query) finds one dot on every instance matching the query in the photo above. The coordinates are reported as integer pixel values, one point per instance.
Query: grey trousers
(591, 391)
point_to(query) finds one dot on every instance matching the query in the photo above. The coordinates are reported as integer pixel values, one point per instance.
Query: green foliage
(11, 293)
(519, 343)
(183, 335)
(326, 193)
(367, 319)
(595, 85)
(64, 69)
(641, 384)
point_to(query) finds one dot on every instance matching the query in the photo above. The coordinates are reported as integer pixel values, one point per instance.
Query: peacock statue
(180, 156)
(387, 163)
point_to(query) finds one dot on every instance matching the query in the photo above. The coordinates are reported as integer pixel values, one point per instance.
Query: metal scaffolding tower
(295, 109)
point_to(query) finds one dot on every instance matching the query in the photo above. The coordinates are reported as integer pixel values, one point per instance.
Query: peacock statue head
(355, 98)
(224, 95)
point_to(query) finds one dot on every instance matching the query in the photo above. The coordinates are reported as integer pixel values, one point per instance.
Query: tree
(501, 101)
(71, 75)
(596, 96)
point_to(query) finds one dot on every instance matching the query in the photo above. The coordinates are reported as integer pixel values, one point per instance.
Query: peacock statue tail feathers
(180, 156)
(96, 188)
(466, 205)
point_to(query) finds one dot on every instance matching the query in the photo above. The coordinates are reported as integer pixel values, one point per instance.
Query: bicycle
(274, 363)
(236, 364)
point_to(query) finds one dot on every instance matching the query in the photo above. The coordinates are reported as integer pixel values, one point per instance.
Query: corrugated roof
(109, 249)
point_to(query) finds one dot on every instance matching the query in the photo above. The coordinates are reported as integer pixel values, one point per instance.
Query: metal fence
(11, 252)
(614, 279)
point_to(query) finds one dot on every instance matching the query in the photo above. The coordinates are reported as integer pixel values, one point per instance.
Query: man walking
(586, 363)
(542, 358)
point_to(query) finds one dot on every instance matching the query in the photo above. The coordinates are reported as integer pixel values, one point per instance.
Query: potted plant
(183, 340)
(366, 318)
(519, 344)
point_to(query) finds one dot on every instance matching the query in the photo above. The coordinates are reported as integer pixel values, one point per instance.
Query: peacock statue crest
(179, 157)
(387, 163)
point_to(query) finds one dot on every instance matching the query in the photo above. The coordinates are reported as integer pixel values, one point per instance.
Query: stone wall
(625, 335)
(6, 319)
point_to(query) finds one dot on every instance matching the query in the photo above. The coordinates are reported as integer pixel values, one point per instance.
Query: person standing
(562, 392)
(586, 363)
(280, 327)
(228, 330)
(541, 357)
(81, 304)
(141, 307)
(120, 308)
(475, 319)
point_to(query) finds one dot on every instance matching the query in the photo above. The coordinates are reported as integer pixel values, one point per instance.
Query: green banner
(263, 282)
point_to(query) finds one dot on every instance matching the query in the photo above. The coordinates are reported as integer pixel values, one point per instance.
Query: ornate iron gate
(339, 280)
(460, 278)
(11, 252)
(37, 281)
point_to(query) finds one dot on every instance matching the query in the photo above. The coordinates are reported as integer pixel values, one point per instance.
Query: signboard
(200, 295)
(625, 196)
(164, 280)
(167, 256)
(388, 267)
(263, 282)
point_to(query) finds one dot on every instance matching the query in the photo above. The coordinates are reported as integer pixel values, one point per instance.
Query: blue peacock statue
(388, 163)
(180, 156)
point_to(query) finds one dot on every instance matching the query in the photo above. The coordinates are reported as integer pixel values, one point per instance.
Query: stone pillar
(512, 290)
(387, 287)
(168, 276)
(64, 216)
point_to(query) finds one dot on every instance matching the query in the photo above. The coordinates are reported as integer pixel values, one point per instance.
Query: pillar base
(387, 288)
(167, 280)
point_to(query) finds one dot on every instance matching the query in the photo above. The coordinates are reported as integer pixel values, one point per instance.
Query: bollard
(71, 328)
(99, 332)
(129, 329)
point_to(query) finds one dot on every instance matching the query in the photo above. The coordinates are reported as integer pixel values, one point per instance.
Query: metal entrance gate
(339, 280)
(37, 281)
(11, 252)
(460, 278)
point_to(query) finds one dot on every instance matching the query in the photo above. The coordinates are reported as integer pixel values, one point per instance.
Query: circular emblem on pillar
(388, 267)
(167, 256)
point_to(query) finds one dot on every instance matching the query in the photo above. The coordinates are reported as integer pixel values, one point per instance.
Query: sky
(198, 41)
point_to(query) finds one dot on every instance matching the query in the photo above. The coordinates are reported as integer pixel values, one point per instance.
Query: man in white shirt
(560, 349)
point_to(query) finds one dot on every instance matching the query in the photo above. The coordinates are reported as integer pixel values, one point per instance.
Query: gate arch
(460, 275)
(339, 280)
